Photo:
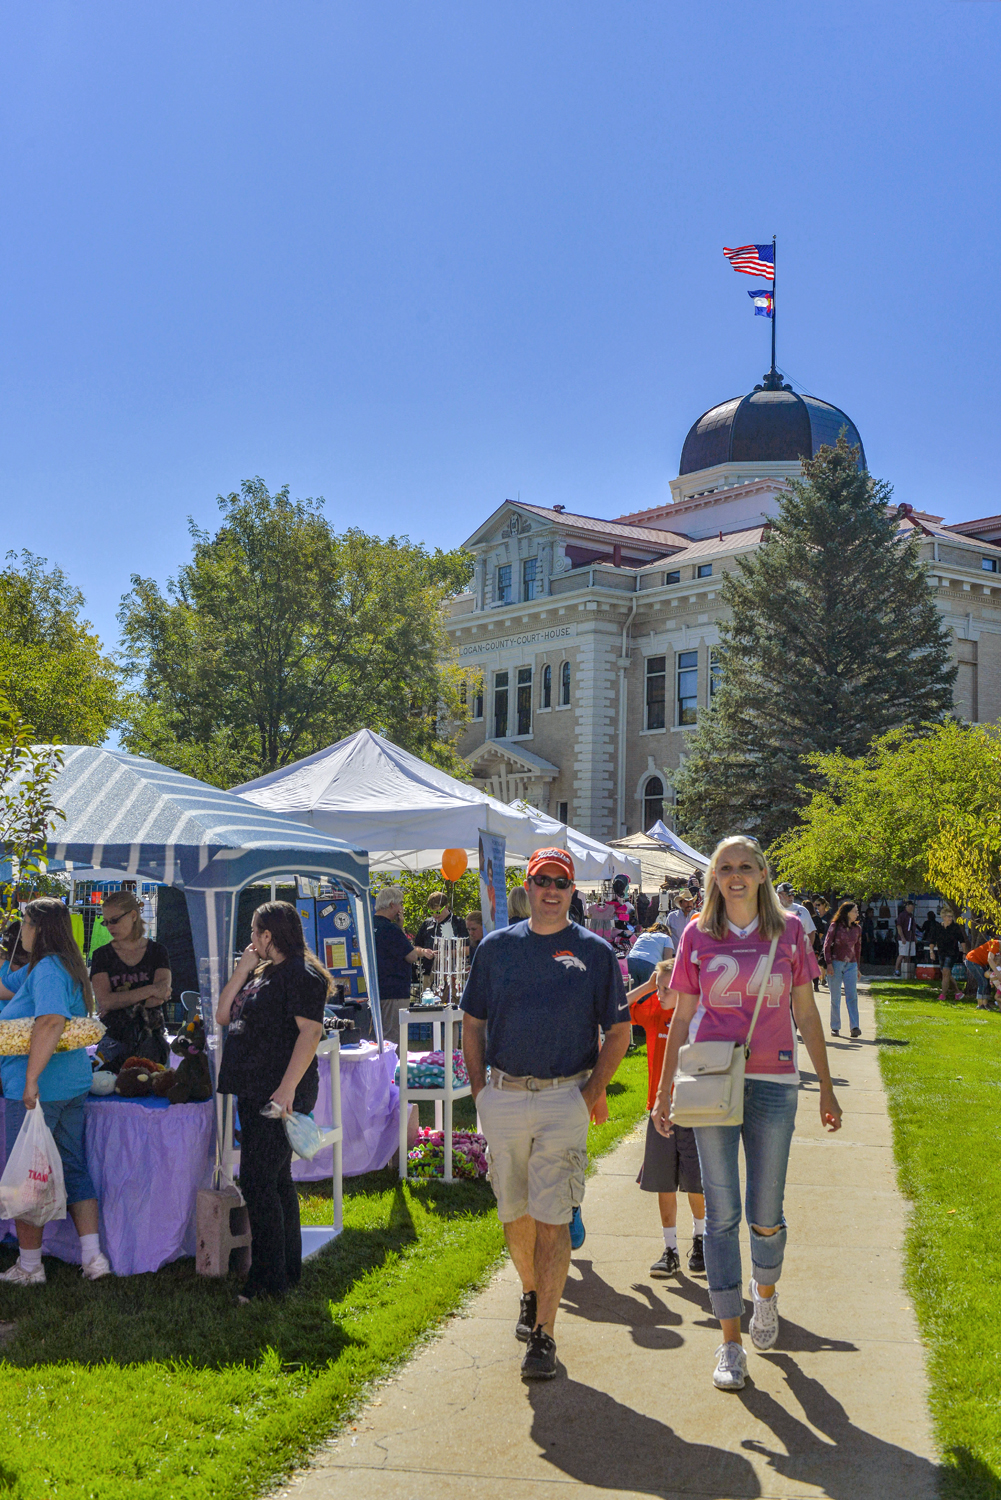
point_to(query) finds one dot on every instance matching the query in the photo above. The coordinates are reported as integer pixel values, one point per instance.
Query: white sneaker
(764, 1324)
(94, 1269)
(18, 1276)
(731, 1368)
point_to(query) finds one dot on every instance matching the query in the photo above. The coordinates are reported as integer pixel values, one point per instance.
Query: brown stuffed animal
(135, 1083)
(191, 1081)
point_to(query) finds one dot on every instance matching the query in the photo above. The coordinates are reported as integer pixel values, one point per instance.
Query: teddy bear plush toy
(190, 1082)
(135, 1077)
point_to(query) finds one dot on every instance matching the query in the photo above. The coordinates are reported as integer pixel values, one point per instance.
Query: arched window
(547, 687)
(653, 802)
(565, 684)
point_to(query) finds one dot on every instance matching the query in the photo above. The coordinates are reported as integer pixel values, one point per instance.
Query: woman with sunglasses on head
(55, 989)
(273, 1006)
(132, 980)
(721, 967)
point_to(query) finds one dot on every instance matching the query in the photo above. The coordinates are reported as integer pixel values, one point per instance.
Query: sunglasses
(545, 881)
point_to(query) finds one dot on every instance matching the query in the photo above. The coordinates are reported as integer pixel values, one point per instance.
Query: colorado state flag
(764, 304)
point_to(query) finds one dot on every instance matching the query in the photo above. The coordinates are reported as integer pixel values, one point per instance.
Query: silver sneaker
(18, 1276)
(731, 1368)
(764, 1324)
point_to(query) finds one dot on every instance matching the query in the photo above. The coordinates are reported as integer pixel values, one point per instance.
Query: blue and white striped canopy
(126, 813)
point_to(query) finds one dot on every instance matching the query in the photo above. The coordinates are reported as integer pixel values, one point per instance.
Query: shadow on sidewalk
(852, 1464)
(599, 1442)
(650, 1320)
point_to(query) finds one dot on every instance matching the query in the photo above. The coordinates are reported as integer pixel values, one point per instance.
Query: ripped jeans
(769, 1117)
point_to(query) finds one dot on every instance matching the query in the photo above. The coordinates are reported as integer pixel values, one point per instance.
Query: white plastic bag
(32, 1186)
(305, 1136)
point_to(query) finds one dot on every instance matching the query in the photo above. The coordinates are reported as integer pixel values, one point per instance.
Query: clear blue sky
(420, 257)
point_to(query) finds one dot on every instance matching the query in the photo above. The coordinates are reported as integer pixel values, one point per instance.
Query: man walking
(784, 893)
(907, 936)
(679, 916)
(538, 996)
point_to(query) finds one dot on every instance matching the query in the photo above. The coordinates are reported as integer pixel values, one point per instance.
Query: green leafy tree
(280, 637)
(881, 822)
(832, 639)
(53, 670)
(27, 812)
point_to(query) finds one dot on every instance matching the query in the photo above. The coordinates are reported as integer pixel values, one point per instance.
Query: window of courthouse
(547, 687)
(505, 592)
(524, 701)
(653, 801)
(656, 691)
(688, 686)
(530, 579)
(500, 705)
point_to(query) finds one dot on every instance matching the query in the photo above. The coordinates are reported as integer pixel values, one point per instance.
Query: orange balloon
(453, 863)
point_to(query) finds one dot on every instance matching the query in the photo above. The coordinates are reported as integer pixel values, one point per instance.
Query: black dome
(771, 425)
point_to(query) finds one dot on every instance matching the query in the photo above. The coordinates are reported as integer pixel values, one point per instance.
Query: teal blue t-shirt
(48, 990)
(13, 978)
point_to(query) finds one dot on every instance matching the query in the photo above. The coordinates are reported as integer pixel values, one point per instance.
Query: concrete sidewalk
(838, 1409)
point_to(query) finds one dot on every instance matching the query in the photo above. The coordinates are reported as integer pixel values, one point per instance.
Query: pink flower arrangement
(469, 1154)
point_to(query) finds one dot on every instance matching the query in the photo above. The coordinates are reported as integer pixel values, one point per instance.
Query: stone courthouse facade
(595, 639)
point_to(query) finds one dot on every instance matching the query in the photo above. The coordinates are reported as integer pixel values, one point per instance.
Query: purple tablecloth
(370, 1113)
(147, 1166)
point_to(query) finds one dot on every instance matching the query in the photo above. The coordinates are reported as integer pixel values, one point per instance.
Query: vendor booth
(658, 861)
(122, 812)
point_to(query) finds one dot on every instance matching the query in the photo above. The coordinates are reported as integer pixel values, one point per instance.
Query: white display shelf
(443, 1039)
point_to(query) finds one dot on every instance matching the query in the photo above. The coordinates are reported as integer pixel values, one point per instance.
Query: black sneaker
(527, 1318)
(540, 1357)
(856, 1031)
(696, 1257)
(668, 1265)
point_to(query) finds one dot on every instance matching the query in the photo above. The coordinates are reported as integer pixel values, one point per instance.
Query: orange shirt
(656, 1023)
(980, 955)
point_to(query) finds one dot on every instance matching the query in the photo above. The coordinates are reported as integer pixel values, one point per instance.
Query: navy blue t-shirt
(543, 997)
(391, 948)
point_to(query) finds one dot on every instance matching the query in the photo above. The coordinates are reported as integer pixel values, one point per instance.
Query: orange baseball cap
(551, 857)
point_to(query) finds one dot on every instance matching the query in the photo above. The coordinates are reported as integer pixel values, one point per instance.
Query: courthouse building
(596, 639)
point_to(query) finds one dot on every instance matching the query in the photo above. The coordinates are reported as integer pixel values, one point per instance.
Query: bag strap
(761, 995)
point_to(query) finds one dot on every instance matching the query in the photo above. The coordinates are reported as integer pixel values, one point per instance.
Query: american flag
(753, 260)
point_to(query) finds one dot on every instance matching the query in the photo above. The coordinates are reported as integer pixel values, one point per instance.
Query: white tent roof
(593, 860)
(378, 797)
(661, 832)
(657, 861)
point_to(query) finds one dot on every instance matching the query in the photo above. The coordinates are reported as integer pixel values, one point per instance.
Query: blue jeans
(639, 970)
(849, 973)
(978, 973)
(769, 1117)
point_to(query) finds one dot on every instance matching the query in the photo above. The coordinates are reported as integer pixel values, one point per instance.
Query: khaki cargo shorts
(537, 1148)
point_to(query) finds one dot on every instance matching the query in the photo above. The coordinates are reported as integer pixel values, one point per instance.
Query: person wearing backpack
(55, 990)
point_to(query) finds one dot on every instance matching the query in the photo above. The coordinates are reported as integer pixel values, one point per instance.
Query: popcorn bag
(32, 1187)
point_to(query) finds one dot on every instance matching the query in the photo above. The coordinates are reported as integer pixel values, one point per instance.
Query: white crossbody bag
(709, 1083)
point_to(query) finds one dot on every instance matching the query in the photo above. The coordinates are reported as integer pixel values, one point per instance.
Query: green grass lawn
(160, 1386)
(941, 1065)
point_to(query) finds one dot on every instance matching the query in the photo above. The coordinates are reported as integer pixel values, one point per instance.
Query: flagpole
(774, 279)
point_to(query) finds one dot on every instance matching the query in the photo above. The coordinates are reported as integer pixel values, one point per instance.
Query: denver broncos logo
(570, 961)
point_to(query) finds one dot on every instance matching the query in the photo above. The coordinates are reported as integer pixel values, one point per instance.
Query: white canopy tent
(664, 835)
(404, 812)
(593, 861)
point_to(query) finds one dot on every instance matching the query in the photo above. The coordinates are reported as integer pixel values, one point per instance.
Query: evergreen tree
(833, 639)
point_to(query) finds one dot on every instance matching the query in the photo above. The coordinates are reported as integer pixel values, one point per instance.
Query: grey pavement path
(837, 1409)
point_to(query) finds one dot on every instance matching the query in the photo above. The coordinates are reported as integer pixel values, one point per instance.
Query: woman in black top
(131, 980)
(273, 1007)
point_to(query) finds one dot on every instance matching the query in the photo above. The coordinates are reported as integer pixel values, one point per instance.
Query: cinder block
(223, 1229)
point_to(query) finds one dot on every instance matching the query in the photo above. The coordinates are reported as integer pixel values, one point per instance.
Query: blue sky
(418, 258)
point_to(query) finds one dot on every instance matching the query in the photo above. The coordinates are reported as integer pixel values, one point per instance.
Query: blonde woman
(55, 990)
(518, 909)
(131, 979)
(719, 969)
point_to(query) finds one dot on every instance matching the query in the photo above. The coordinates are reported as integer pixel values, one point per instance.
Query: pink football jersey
(727, 975)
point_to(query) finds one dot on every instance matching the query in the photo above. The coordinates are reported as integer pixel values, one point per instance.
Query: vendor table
(148, 1159)
(445, 1020)
(370, 1104)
